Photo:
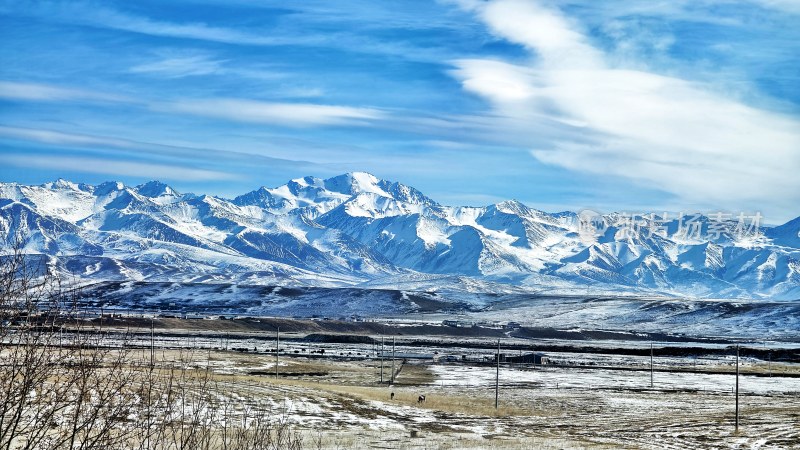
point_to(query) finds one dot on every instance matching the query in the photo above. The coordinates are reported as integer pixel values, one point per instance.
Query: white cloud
(240, 110)
(547, 33)
(113, 167)
(59, 138)
(201, 31)
(790, 6)
(98, 14)
(42, 92)
(669, 133)
(293, 114)
(181, 66)
(496, 80)
(121, 147)
(180, 63)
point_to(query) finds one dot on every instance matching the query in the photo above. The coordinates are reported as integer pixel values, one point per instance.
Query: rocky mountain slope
(358, 230)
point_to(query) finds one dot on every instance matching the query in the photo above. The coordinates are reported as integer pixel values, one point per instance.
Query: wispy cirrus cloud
(292, 114)
(113, 167)
(108, 145)
(230, 109)
(61, 138)
(790, 6)
(13, 90)
(666, 132)
(112, 146)
(25, 151)
(181, 66)
(309, 25)
(174, 63)
(106, 17)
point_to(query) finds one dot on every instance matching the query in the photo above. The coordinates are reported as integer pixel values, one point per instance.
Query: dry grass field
(340, 404)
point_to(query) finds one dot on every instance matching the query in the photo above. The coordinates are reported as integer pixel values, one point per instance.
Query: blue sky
(615, 105)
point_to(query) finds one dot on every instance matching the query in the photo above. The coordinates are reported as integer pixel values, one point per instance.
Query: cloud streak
(112, 146)
(112, 167)
(181, 66)
(65, 139)
(300, 30)
(231, 109)
(110, 18)
(175, 63)
(291, 114)
(12, 90)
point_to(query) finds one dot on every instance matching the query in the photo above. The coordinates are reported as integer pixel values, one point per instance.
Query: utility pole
(497, 378)
(277, 349)
(737, 388)
(651, 364)
(393, 342)
(152, 342)
(382, 359)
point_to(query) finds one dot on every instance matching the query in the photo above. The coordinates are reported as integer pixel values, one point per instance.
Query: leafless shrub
(63, 387)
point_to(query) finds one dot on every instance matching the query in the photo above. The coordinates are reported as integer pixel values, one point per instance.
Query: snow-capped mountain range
(358, 230)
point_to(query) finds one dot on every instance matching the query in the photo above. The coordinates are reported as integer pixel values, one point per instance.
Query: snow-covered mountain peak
(517, 208)
(298, 183)
(369, 204)
(366, 195)
(108, 187)
(63, 184)
(511, 206)
(787, 234)
(155, 189)
(354, 183)
(307, 193)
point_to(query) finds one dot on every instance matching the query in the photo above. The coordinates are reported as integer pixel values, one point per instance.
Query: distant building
(194, 316)
(457, 323)
(490, 325)
(513, 325)
(448, 358)
(527, 358)
(402, 355)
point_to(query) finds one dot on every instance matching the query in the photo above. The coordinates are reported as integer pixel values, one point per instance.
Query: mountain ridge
(356, 229)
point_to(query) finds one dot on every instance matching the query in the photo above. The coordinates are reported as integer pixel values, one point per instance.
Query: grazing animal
(421, 399)
(391, 396)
